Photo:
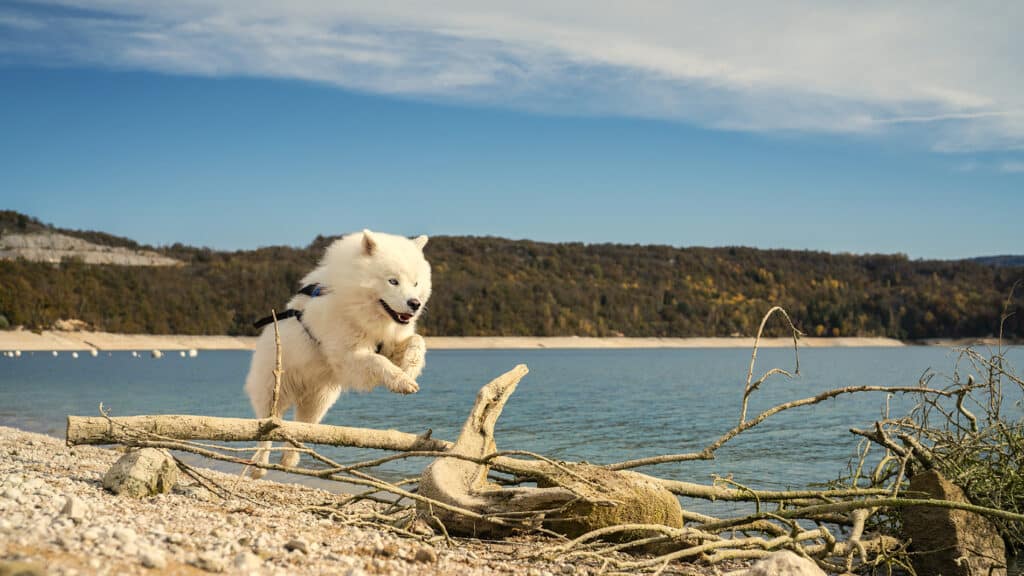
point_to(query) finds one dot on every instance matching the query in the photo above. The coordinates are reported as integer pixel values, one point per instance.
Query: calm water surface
(596, 405)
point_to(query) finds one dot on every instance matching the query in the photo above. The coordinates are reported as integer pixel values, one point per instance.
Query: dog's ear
(369, 242)
(420, 241)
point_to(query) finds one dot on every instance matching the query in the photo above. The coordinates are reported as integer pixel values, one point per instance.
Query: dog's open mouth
(400, 317)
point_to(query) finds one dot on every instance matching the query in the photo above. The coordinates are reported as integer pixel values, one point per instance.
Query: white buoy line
(93, 352)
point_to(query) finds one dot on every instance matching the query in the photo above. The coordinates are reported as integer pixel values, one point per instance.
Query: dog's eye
(393, 281)
(415, 284)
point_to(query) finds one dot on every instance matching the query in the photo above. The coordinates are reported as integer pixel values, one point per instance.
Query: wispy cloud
(949, 74)
(20, 22)
(1012, 167)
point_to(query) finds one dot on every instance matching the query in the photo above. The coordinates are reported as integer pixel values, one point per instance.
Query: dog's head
(397, 273)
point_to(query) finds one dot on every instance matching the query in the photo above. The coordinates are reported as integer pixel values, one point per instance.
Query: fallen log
(116, 430)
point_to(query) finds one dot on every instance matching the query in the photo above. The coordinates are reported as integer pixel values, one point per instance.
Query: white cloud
(949, 73)
(1012, 167)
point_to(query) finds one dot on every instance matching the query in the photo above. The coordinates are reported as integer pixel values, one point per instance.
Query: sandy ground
(264, 528)
(53, 340)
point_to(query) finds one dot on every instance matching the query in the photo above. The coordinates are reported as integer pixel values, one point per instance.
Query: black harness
(311, 290)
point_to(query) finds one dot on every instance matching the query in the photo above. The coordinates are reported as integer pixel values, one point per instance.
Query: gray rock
(41, 526)
(33, 485)
(61, 523)
(639, 499)
(297, 544)
(108, 549)
(782, 563)
(950, 542)
(426, 555)
(247, 562)
(265, 545)
(211, 562)
(126, 535)
(152, 558)
(64, 542)
(142, 473)
(74, 508)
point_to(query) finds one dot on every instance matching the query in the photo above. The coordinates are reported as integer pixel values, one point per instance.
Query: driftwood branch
(117, 430)
(463, 483)
(278, 364)
(708, 453)
(752, 386)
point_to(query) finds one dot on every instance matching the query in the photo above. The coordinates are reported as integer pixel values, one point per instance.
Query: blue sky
(862, 128)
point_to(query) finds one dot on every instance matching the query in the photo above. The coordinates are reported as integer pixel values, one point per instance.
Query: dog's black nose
(414, 304)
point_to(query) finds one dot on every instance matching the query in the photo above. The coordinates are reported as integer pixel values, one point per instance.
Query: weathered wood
(123, 429)
(116, 430)
(464, 484)
(570, 498)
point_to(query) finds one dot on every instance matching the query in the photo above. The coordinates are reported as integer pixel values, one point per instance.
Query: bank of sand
(77, 341)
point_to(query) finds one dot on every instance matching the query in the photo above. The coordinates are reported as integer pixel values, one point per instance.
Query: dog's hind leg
(311, 409)
(262, 405)
(262, 454)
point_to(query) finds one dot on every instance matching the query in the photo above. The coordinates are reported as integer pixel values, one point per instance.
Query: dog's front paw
(403, 385)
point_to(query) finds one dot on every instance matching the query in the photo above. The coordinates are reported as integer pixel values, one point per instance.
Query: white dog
(351, 327)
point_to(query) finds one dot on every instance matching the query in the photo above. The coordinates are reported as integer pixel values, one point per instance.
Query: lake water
(597, 405)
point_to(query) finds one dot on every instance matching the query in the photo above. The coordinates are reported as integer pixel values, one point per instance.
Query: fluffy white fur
(359, 273)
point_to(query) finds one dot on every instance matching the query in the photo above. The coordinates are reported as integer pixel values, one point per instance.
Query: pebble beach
(55, 514)
(56, 517)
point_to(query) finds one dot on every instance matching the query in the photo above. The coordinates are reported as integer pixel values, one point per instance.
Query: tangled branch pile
(973, 441)
(598, 513)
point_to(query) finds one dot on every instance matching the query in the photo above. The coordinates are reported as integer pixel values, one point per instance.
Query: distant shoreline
(83, 341)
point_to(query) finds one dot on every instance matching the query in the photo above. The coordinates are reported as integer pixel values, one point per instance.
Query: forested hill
(1004, 260)
(493, 286)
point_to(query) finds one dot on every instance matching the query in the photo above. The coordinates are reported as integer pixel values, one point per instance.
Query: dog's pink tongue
(405, 316)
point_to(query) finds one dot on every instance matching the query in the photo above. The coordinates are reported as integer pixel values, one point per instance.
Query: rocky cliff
(55, 248)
